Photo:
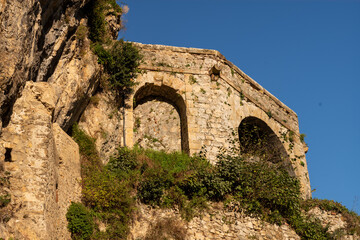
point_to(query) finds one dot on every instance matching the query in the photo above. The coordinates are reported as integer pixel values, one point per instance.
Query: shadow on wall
(166, 94)
(258, 141)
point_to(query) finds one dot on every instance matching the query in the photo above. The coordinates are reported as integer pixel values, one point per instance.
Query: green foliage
(85, 142)
(97, 11)
(302, 137)
(81, 32)
(269, 113)
(351, 218)
(176, 180)
(104, 193)
(259, 187)
(309, 229)
(90, 158)
(137, 124)
(4, 200)
(80, 221)
(120, 61)
(192, 80)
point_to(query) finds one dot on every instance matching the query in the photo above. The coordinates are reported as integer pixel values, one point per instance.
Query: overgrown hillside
(190, 185)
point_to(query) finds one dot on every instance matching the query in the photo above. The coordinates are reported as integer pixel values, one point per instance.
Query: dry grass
(167, 228)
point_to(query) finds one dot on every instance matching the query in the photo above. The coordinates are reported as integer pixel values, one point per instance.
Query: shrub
(96, 15)
(81, 32)
(90, 160)
(302, 137)
(103, 191)
(4, 200)
(123, 161)
(80, 222)
(120, 61)
(308, 228)
(86, 143)
(350, 217)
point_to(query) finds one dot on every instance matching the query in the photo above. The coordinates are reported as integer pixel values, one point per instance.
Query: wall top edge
(221, 58)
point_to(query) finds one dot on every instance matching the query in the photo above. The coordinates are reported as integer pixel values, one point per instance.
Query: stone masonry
(211, 97)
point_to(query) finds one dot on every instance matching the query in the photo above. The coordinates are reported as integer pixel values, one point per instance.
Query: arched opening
(160, 120)
(259, 142)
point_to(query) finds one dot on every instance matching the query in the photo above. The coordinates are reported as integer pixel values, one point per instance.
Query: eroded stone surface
(103, 120)
(68, 185)
(217, 223)
(157, 126)
(33, 35)
(35, 187)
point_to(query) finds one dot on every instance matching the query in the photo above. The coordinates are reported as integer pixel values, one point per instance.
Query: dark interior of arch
(258, 140)
(166, 94)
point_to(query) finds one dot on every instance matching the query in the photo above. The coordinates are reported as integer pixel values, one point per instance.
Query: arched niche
(167, 95)
(258, 141)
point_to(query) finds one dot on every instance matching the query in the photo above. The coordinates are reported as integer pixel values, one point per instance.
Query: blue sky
(306, 53)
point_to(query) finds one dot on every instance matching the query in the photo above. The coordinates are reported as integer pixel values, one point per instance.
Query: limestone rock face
(39, 43)
(103, 121)
(47, 75)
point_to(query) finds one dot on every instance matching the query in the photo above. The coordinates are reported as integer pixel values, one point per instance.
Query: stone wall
(157, 126)
(212, 97)
(216, 223)
(219, 223)
(44, 168)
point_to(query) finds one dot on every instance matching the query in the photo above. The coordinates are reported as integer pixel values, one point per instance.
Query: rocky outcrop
(33, 36)
(47, 75)
(45, 41)
(103, 121)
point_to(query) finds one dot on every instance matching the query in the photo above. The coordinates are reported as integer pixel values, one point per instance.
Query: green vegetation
(6, 210)
(119, 58)
(97, 10)
(302, 137)
(350, 217)
(81, 32)
(176, 180)
(4, 200)
(137, 124)
(269, 113)
(192, 80)
(80, 221)
(106, 197)
(120, 62)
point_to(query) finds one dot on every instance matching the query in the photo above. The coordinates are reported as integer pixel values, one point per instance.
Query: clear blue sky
(306, 53)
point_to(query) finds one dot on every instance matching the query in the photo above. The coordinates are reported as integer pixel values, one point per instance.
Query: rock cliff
(47, 75)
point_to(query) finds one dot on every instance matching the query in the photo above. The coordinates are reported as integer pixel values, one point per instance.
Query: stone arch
(258, 140)
(169, 95)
